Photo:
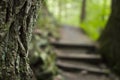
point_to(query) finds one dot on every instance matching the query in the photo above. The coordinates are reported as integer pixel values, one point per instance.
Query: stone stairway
(77, 58)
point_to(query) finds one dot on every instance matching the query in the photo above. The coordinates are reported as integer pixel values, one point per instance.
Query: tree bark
(110, 39)
(83, 11)
(16, 21)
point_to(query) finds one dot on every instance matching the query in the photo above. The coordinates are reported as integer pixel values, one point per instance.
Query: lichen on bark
(16, 21)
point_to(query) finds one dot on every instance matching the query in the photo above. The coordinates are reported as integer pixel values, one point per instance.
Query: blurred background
(90, 15)
(64, 29)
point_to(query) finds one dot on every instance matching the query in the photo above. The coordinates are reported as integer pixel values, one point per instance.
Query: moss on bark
(16, 21)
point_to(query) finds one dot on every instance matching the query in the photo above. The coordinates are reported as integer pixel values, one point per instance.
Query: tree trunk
(110, 39)
(83, 11)
(16, 21)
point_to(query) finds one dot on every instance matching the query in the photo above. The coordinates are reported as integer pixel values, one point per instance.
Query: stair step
(74, 49)
(75, 46)
(81, 56)
(77, 55)
(71, 50)
(79, 76)
(71, 66)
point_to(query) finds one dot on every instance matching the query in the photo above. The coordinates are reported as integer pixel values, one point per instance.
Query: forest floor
(77, 57)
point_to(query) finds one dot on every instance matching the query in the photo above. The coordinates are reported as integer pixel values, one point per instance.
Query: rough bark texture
(16, 21)
(110, 39)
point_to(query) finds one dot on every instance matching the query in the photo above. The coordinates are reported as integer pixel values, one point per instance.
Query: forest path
(77, 58)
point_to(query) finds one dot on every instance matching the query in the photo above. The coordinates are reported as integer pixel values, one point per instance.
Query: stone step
(81, 66)
(72, 50)
(77, 54)
(92, 48)
(79, 76)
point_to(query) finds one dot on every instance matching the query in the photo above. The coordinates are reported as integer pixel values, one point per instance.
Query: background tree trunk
(110, 39)
(83, 11)
(16, 21)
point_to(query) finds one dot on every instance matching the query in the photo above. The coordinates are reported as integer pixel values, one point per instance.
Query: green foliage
(44, 55)
(65, 11)
(97, 16)
(44, 50)
(46, 28)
